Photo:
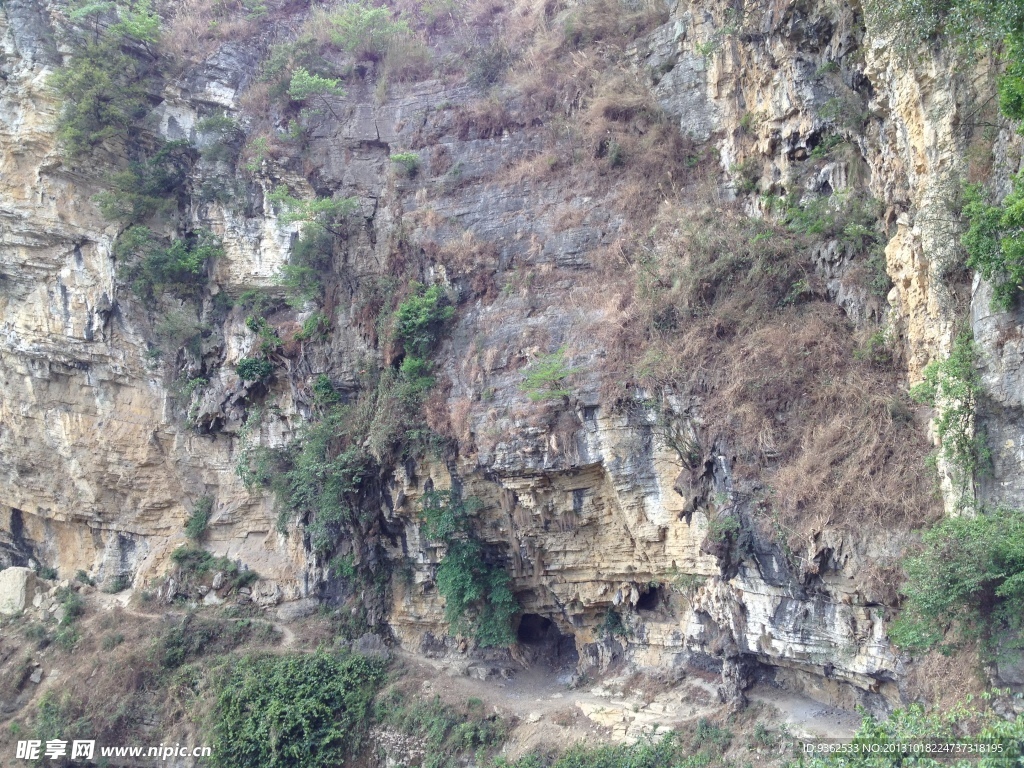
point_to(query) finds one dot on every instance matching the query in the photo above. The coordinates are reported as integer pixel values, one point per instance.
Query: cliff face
(588, 499)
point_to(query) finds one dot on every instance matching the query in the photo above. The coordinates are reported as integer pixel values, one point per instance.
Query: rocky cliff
(724, 486)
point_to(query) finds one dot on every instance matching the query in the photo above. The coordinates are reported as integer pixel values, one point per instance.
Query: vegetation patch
(307, 711)
(966, 585)
(953, 387)
(477, 592)
(451, 733)
(195, 526)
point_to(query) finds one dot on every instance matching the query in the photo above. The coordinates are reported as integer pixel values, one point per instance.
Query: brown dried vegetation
(729, 309)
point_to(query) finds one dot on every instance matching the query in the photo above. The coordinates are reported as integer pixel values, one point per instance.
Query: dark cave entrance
(534, 629)
(543, 643)
(649, 600)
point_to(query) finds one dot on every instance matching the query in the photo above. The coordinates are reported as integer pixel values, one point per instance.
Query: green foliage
(723, 527)
(73, 606)
(408, 162)
(995, 242)
(966, 584)
(365, 32)
(478, 595)
(652, 752)
(612, 625)
(420, 318)
(266, 334)
(449, 732)
(748, 174)
(193, 562)
(118, 583)
(196, 636)
(310, 259)
(467, 582)
(178, 329)
(324, 392)
(103, 93)
(324, 212)
(195, 526)
(150, 186)
(307, 710)
(958, 723)
(953, 387)
(46, 572)
(966, 23)
(254, 369)
(446, 515)
(305, 85)
(314, 328)
(545, 377)
(152, 268)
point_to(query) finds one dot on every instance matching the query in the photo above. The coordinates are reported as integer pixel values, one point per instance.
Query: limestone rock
(17, 589)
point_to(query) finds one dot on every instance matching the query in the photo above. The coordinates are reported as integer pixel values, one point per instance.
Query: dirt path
(806, 717)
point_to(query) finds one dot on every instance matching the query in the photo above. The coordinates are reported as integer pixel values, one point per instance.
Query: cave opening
(534, 629)
(543, 643)
(648, 600)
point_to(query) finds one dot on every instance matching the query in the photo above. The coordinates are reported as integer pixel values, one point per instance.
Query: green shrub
(152, 269)
(83, 578)
(150, 186)
(545, 377)
(310, 259)
(314, 328)
(305, 86)
(110, 642)
(408, 162)
(46, 572)
(651, 752)
(324, 392)
(266, 334)
(959, 723)
(364, 31)
(478, 595)
(449, 732)
(967, 583)
(195, 526)
(326, 213)
(119, 583)
(193, 562)
(420, 318)
(104, 87)
(197, 636)
(994, 242)
(612, 625)
(953, 387)
(307, 711)
(254, 369)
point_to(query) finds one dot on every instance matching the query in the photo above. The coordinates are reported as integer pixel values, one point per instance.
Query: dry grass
(729, 310)
(198, 27)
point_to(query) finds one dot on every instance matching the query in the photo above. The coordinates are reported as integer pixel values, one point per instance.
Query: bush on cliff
(966, 584)
(307, 710)
(104, 87)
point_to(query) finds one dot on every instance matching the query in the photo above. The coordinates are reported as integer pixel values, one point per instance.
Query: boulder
(17, 589)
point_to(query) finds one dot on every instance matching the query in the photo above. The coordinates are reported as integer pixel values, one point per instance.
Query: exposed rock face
(17, 589)
(590, 504)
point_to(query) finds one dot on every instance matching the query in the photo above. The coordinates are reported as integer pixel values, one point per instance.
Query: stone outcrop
(17, 589)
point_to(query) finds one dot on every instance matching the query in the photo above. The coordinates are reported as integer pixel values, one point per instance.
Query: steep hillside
(567, 336)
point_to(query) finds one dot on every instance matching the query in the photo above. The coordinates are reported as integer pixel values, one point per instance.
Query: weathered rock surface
(17, 589)
(98, 471)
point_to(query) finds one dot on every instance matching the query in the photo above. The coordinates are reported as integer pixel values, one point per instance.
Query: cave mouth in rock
(534, 629)
(648, 600)
(545, 644)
